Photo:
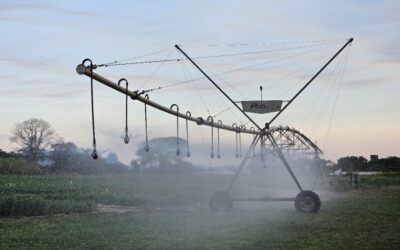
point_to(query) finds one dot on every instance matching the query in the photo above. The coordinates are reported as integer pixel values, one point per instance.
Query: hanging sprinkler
(242, 128)
(146, 147)
(218, 142)
(210, 119)
(126, 138)
(187, 134)
(91, 67)
(234, 125)
(178, 151)
(261, 90)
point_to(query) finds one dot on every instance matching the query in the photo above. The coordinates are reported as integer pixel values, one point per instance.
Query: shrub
(19, 166)
(35, 205)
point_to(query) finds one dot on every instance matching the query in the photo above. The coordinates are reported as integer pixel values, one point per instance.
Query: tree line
(359, 163)
(40, 148)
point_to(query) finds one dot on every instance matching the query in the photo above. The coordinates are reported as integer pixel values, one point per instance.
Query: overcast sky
(43, 41)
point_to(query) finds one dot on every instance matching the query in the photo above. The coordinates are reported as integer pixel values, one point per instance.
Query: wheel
(307, 202)
(220, 201)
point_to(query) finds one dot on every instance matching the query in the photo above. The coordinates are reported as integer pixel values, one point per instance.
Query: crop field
(47, 194)
(170, 212)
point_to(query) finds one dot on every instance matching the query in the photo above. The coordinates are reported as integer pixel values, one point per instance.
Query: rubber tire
(307, 196)
(220, 201)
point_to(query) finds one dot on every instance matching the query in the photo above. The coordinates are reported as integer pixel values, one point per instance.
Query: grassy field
(171, 213)
(48, 194)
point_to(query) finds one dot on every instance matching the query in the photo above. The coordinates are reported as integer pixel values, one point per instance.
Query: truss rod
(218, 87)
(312, 79)
(243, 162)
(283, 159)
(83, 70)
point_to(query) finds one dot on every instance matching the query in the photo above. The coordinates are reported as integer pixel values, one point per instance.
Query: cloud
(2, 136)
(370, 81)
(27, 64)
(61, 94)
(12, 7)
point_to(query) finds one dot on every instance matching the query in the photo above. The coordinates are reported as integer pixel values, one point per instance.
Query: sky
(43, 42)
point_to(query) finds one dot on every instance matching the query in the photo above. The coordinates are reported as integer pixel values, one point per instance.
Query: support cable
(221, 112)
(155, 71)
(336, 98)
(274, 43)
(131, 58)
(188, 75)
(121, 63)
(332, 81)
(316, 100)
(216, 85)
(240, 68)
(312, 79)
(313, 63)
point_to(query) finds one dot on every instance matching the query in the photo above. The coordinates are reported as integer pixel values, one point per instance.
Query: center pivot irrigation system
(275, 140)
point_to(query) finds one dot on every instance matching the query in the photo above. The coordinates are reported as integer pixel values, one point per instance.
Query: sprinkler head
(188, 154)
(146, 148)
(126, 139)
(94, 155)
(212, 155)
(178, 151)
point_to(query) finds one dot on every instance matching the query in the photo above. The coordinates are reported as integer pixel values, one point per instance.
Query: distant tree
(385, 164)
(68, 158)
(352, 163)
(63, 157)
(328, 166)
(34, 136)
(112, 158)
(392, 163)
(4, 154)
(162, 158)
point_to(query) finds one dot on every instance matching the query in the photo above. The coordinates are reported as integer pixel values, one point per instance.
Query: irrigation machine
(276, 140)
